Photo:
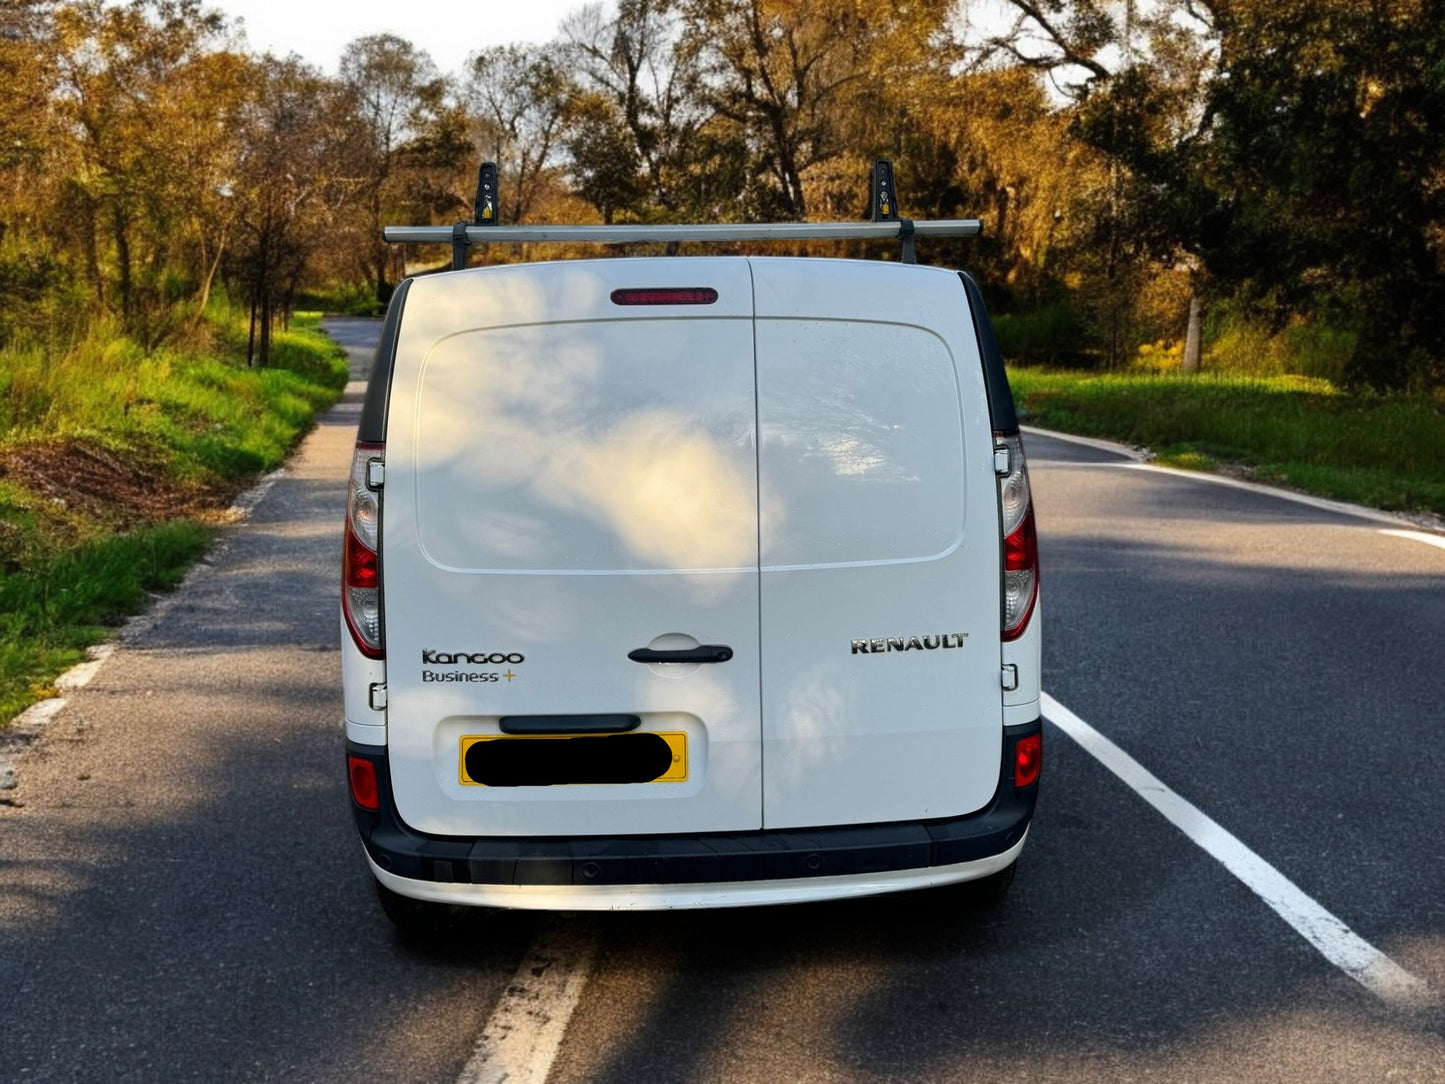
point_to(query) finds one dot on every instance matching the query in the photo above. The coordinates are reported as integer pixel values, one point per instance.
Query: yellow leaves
(1368, 93)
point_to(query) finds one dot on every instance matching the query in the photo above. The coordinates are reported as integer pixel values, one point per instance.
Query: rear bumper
(719, 869)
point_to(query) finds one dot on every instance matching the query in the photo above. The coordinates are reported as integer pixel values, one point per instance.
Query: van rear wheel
(422, 917)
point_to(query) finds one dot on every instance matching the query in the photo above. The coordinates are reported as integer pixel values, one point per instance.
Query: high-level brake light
(665, 295)
(1020, 538)
(360, 564)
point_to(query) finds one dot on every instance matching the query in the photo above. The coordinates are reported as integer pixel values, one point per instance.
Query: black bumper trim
(711, 858)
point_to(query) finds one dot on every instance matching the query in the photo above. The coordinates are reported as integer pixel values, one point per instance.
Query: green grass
(1388, 452)
(193, 415)
(344, 301)
(50, 613)
(201, 410)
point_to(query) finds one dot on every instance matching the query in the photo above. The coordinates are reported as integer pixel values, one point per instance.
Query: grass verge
(1387, 452)
(116, 466)
(53, 612)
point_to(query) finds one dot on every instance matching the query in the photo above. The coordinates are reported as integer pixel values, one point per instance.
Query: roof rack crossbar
(710, 232)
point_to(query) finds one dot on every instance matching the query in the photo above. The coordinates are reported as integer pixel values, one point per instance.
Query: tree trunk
(251, 336)
(264, 357)
(1190, 364)
(120, 229)
(209, 279)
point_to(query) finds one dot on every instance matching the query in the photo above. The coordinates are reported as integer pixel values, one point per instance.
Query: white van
(688, 582)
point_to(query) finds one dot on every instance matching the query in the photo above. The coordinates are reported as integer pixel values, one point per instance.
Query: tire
(421, 918)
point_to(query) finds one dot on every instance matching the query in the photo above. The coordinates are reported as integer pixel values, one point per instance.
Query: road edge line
(1438, 541)
(1128, 451)
(22, 731)
(1139, 459)
(1334, 940)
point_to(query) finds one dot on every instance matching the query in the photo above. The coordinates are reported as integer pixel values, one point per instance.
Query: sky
(447, 29)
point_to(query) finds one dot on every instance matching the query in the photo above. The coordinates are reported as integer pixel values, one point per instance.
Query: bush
(1238, 342)
(1052, 335)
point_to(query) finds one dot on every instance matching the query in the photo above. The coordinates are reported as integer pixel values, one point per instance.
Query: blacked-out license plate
(554, 760)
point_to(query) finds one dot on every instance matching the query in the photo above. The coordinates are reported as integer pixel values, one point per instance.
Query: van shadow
(1122, 949)
(236, 939)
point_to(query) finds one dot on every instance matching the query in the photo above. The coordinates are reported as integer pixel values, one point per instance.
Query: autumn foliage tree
(1281, 158)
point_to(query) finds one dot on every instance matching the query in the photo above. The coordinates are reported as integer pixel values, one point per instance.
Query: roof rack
(886, 224)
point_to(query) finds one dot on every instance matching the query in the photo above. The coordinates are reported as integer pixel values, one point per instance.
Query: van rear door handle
(569, 724)
(701, 653)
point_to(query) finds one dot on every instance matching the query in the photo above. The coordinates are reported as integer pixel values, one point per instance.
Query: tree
(28, 261)
(27, 73)
(778, 72)
(1134, 77)
(129, 82)
(394, 91)
(284, 175)
(803, 84)
(1325, 167)
(518, 95)
(636, 118)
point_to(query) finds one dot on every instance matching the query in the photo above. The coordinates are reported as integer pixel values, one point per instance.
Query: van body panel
(568, 480)
(800, 468)
(364, 723)
(879, 547)
(1026, 655)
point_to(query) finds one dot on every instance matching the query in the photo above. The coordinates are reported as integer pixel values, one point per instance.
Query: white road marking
(524, 1033)
(29, 722)
(1419, 536)
(1339, 944)
(1087, 442)
(1139, 460)
(246, 503)
(1344, 508)
(80, 675)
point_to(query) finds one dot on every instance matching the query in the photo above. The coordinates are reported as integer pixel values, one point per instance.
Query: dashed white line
(524, 1033)
(1339, 944)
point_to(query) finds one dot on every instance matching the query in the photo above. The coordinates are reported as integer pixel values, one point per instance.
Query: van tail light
(1028, 760)
(1020, 538)
(364, 790)
(360, 560)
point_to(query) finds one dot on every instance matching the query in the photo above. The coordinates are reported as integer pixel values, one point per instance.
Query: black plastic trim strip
(698, 859)
(378, 387)
(1000, 397)
(568, 724)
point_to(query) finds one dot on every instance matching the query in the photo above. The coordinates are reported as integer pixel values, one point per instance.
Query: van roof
(1000, 401)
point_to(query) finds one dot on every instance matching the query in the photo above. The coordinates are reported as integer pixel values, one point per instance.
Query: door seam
(758, 519)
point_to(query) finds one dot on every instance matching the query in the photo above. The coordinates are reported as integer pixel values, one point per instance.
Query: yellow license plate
(556, 760)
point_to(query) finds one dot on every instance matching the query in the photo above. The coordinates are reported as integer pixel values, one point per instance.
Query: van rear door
(879, 547)
(570, 480)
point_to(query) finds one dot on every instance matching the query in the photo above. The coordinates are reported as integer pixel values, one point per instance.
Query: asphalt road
(182, 895)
